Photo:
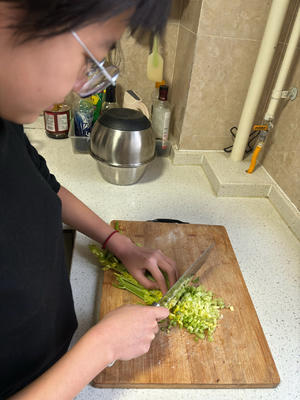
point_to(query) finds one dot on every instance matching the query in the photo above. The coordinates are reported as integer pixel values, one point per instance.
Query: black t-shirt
(37, 317)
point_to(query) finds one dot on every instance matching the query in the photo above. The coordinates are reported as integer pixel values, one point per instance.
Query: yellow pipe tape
(254, 157)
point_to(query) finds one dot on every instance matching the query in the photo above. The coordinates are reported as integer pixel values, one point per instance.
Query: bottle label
(160, 121)
(62, 122)
(49, 120)
(166, 125)
(57, 122)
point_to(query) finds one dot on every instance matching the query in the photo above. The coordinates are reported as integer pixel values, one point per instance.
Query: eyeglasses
(99, 74)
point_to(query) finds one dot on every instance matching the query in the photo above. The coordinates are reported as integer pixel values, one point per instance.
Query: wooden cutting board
(239, 356)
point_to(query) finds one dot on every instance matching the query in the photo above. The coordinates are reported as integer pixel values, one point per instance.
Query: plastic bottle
(83, 117)
(161, 120)
(97, 100)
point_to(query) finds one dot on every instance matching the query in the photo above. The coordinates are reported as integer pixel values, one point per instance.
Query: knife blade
(173, 294)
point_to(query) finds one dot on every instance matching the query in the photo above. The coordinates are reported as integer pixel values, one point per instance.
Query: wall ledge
(230, 179)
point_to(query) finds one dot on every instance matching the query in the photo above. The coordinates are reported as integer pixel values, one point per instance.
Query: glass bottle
(57, 121)
(155, 93)
(110, 99)
(161, 116)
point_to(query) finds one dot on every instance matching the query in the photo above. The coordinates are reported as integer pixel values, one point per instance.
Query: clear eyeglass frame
(99, 74)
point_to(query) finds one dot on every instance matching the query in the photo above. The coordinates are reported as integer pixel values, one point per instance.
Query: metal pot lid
(124, 119)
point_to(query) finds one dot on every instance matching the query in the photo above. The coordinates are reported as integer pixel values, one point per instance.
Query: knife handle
(167, 220)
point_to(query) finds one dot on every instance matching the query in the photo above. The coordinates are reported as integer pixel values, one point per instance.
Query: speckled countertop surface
(267, 251)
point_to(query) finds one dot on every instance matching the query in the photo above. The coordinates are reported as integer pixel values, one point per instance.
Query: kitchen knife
(173, 294)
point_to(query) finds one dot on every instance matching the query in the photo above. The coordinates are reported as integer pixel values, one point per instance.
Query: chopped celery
(197, 311)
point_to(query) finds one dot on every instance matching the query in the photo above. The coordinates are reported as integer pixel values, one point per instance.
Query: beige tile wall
(281, 155)
(227, 41)
(135, 52)
(182, 77)
(221, 50)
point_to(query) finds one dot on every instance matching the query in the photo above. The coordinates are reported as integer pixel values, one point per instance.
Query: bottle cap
(163, 92)
(158, 84)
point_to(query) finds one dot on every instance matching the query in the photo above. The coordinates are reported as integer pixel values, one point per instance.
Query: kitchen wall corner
(214, 62)
(280, 155)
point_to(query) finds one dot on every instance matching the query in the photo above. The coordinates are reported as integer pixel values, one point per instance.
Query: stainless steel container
(123, 143)
(121, 175)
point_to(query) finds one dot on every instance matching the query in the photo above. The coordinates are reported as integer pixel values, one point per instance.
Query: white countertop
(267, 251)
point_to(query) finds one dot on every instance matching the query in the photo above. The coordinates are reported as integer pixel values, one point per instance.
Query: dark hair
(40, 19)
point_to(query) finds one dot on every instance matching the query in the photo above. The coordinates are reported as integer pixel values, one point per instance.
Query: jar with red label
(57, 121)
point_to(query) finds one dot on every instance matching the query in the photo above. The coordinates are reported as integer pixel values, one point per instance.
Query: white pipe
(263, 62)
(284, 69)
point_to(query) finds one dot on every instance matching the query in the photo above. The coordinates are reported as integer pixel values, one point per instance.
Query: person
(48, 49)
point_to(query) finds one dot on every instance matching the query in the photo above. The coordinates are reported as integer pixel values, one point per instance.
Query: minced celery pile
(196, 310)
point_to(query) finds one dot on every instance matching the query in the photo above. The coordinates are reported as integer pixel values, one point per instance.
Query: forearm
(72, 372)
(137, 260)
(79, 216)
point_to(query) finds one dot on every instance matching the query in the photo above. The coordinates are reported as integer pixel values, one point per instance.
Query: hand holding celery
(148, 266)
(123, 278)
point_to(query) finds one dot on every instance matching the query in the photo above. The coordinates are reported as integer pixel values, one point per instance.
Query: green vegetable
(124, 279)
(193, 307)
(197, 311)
(117, 226)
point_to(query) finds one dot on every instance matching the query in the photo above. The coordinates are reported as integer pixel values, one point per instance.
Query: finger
(159, 278)
(156, 329)
(161, 313)
(169, 269)
(173, 265)
(141, 278)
